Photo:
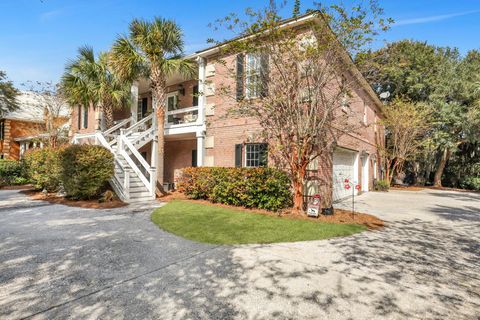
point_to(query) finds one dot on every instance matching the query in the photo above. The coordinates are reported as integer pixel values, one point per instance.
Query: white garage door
(343, 168)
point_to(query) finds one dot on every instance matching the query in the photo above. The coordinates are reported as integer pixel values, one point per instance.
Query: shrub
(263, 188)
(382, 185)
(43, 168)
(471, 183)
(12, 173)
(86, 170)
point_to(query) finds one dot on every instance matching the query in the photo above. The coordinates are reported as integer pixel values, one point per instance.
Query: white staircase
(134, 179)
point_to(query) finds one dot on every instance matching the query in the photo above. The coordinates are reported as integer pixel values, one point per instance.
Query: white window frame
(253, 69)
(245, 160)
(175, 97)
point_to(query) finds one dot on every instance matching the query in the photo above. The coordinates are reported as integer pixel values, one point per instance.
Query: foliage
(264, 188)
(12, 173)
(405, 126)
(86, 170)
(213, 224)
(44, 169)
(152, 50)
(89, 80)
(8, 94)
(49, 96)
(472, 183)
(439, 78)
(382, 185)
(303, 100)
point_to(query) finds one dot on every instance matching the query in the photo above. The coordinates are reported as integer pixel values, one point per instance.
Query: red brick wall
(16, 129)
(178, 155)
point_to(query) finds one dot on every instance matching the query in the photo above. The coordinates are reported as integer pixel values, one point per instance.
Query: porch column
(200, 148)
(22, 149)
(134, 105)
(201, 89)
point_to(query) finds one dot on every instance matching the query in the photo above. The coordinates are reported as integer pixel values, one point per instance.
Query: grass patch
(212, 224)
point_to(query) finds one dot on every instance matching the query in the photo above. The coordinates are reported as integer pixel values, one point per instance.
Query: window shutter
(263, 154)
(240, 73)
(238, 155)
(195, 96)
(264, 74)
(80, 115)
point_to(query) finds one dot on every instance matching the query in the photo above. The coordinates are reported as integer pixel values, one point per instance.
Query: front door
(142, 108)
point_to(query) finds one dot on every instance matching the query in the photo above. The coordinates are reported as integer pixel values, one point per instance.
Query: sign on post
(313, 208)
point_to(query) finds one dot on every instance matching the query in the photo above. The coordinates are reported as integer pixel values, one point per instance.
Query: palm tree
(89, 81)
(152, 50)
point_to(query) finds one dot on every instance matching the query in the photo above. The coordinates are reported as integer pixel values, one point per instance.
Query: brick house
(198, 132)
(24, 128)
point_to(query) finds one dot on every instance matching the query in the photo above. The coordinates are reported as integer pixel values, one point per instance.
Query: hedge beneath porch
(263, 188)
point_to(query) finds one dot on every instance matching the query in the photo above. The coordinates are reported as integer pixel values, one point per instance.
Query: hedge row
(264, 188)
(12, 173)
(82, 170)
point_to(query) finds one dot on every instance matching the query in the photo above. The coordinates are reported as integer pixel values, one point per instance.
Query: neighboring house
(198, 132)
(25, 128)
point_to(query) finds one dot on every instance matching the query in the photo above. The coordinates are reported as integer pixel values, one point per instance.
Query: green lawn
(213, 224)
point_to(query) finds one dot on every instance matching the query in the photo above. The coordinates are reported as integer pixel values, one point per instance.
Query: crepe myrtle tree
(152, 50)
(297, 82)
(51, 99)
(406, 124)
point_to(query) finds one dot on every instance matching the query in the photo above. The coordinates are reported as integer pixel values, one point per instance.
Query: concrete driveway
(59, 262)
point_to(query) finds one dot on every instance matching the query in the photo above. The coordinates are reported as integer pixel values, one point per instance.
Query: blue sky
(38, 36)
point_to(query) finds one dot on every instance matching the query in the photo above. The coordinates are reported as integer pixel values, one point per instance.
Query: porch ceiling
(181, 136)
(144, 84)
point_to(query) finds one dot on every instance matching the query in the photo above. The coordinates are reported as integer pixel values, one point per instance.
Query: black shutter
(263, 154)
(264, 75)
(194, 158)
(240, 73)
(238, 155)
(85, 117)
(80, 115)
(195, 96)
(144, 107)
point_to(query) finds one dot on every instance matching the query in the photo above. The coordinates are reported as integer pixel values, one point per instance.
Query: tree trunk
(298, 185)
(108, 115)
(437, 180)
(159, 95)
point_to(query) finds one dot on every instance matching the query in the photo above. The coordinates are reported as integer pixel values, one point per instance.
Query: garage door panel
(343, 168)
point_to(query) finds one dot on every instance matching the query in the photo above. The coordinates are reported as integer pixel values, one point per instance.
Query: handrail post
(153, 180)
(126, 183)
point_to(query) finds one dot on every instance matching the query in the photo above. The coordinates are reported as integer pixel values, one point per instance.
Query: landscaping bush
(471, 183)
(43, 168)
(263, 188)
(382, 185)
(86, 170)
(12, 173)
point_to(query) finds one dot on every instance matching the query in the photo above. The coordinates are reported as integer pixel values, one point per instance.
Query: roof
(31, 107)
(297, 21)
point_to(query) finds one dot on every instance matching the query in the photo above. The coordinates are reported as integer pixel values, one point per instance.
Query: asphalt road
(60, 262)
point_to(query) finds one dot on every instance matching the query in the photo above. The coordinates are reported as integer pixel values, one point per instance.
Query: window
(2, 129)
(195, 96)
(85, 117)
(256, 155)
(253, 75)
(172, 101)
(142, 108)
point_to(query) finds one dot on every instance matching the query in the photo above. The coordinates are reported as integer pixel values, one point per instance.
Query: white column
(134, 105)
(200, 148)
(22, 149)
(201, 89)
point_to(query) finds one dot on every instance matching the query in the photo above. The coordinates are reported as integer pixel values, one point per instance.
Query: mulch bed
(20, 187)
(55, 199)
(420, 188)
(340, 215)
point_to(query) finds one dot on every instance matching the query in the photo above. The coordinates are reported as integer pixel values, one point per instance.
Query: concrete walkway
(59, 262)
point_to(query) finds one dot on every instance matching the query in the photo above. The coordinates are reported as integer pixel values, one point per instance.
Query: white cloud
(433, 18)
(50, 15)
